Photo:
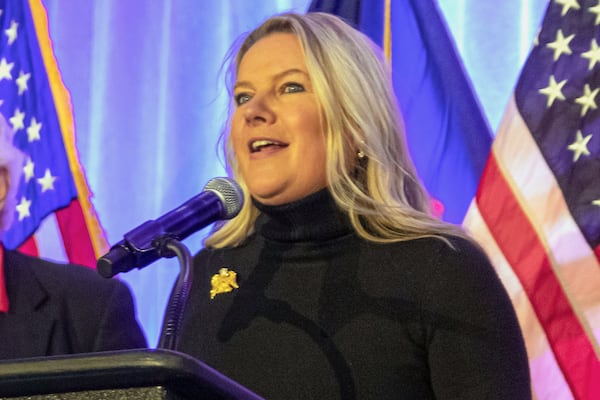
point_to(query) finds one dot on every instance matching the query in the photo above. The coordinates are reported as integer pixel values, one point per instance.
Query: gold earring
(361, 154)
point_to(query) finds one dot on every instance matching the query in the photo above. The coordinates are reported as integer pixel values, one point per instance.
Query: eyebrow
(275, 77)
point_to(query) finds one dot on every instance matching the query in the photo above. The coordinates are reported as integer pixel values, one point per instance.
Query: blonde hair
(12, 160)
(352, 83)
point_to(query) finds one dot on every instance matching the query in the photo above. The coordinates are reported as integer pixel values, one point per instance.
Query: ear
(4, 185)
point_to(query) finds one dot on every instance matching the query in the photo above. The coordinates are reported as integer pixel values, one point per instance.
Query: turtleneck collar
(313, 218)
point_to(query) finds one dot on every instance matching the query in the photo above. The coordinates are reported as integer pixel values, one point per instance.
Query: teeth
(256, 145)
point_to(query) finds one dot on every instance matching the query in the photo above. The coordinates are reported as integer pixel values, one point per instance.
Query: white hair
(11, 159)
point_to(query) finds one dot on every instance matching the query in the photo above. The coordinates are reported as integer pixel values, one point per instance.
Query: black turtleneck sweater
(320, 313)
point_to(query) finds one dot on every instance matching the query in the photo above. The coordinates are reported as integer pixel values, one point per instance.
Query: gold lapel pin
(223, 282)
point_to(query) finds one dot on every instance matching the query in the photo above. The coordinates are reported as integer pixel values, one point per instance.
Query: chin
(275, 199)
(270, 200)
(265, 194)
(283, 198)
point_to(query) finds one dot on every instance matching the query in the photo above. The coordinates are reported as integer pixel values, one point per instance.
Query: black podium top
(177, 372)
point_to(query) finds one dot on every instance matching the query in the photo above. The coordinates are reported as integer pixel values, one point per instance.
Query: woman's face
(278, 141)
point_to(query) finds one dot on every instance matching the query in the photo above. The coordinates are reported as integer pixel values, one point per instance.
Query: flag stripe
(541, 198)
(49, 241)
(521, 246)
(548, 381)
(29, 247)
(577, 270)
(72, 224)
(62, 103)
(3, 295)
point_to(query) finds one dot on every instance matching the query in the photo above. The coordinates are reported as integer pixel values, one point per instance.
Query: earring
(361, 154)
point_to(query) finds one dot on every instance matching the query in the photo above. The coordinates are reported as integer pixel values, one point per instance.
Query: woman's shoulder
(457, 267)
(450, 262)
(440, 248)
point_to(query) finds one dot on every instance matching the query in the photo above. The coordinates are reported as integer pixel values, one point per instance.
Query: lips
(258, 145)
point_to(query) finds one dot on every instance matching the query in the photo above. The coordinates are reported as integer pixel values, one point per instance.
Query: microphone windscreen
(230, 193)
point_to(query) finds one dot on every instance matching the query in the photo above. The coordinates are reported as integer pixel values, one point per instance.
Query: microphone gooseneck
(221, 198)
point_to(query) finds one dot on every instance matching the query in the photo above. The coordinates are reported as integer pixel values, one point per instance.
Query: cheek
(316, 162)
(308, 121)
(321, 160)
(236, 139)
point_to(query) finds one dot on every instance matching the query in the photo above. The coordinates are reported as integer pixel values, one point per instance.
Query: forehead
(271, 54)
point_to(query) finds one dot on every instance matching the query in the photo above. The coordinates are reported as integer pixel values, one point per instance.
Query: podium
(124, 375)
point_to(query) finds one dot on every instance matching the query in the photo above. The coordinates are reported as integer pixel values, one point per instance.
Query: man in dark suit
(52, 309)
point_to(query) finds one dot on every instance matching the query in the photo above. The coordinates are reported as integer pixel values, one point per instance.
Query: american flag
(537, 209)
(52, 192)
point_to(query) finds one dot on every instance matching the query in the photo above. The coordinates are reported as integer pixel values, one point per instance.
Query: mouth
(259, 145)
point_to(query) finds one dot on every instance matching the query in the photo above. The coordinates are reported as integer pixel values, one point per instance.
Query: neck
(313, 218)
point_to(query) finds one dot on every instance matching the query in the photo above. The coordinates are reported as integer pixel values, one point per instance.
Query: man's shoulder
(57, 274)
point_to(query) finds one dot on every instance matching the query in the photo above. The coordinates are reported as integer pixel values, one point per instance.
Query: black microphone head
(118, 259)
(230, 193)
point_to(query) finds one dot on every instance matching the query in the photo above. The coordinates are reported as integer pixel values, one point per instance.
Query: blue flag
(448, 136)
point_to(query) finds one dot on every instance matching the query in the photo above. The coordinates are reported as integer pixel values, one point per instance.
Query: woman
(334, 281)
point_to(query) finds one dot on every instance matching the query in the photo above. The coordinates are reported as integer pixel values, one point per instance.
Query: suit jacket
(64, 309)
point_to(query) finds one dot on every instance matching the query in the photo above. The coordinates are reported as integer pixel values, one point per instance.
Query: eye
(292, 87)
(242, 98)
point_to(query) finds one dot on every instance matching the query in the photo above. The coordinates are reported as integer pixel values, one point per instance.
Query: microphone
(221, 198)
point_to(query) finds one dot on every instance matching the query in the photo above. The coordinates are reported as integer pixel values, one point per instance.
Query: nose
(258, 112)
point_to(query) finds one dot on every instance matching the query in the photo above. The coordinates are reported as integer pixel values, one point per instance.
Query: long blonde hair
(352, 83)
